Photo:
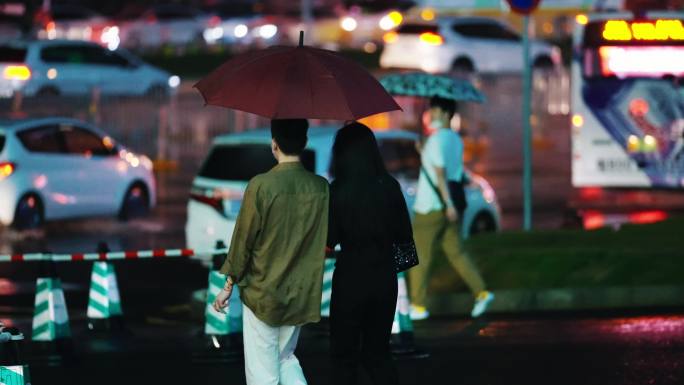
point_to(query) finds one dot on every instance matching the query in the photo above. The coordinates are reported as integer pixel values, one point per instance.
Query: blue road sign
(524, 7)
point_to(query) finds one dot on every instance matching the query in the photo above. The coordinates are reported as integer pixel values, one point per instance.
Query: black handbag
(405, 256)
(458, 195)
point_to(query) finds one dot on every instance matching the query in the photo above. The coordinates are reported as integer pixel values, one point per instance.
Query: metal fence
(180, 128)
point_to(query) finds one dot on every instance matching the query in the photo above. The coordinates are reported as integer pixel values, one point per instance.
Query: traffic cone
(50, 317)
(401, 341)
(222, 331)
(104, 302)
(328, 271)
(15, 375)
(51, 334)
(12, 371)
(220, 324)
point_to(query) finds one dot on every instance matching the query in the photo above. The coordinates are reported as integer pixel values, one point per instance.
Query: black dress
(366, 217)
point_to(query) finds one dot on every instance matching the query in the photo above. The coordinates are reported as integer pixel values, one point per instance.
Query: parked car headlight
(110, 37)
(391, 20)
(174, 81)
(146, 162)
(240, 31)
(348, 24)
(211, 35)
(267, 31)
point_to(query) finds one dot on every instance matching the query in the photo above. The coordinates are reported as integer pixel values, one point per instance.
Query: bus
(627, 108)
(627, 98)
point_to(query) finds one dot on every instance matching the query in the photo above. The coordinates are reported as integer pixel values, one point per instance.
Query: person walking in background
(367, 215)
(276, 257)
(435, 223)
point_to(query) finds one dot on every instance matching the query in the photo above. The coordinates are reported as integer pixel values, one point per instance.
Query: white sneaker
(419, 313)
(482, 303)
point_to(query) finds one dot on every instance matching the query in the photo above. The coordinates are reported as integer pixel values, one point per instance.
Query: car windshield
(401, 157)
(371, 6)
(417, 29)
(12, 55)
(485, 30)
(242, 162)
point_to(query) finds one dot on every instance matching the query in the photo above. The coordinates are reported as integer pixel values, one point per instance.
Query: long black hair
(356, 154)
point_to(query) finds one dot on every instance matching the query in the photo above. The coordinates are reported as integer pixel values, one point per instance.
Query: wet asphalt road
(165, 344)
(560, 349)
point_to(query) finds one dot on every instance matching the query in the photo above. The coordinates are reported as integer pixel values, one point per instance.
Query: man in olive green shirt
(276, 258)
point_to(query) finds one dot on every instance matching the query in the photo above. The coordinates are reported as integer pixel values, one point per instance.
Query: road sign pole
(527, 128)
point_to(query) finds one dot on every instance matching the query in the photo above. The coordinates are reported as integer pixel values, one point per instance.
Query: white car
(65, 67)
(73, 22)
(367, 20)
(57, 168)
(234, 159)
(462, 45)
(238, 23)
(165, 24)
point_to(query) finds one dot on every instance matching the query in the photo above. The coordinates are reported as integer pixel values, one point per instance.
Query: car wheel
(136, 202)
(29, 213)
(462, 68)
(483, 223)
(47, 92)
(158, 93)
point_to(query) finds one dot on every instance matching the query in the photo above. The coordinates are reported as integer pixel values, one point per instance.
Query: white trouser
(269, 352)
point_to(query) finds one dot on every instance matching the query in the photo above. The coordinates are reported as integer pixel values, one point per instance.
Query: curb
(521, 301)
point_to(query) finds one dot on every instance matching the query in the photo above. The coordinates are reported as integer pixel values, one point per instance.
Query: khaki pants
(434, 235)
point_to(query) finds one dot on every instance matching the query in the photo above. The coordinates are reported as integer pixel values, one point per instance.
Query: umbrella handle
(301, 38)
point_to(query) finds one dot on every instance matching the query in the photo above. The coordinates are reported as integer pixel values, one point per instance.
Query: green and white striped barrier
(50, 317)
(15, 375)
(220, 324)
(328, 271)
(104, 301)
(402, 315)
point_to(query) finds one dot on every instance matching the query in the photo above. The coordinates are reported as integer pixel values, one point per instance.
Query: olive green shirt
(278, 247)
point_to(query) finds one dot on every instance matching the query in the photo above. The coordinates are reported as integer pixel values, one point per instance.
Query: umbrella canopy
(296, 82)
(426, 85)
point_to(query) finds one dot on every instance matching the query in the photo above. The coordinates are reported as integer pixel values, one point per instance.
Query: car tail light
(645, 217)
(431, 38)
(17, 72)
(593, 220)
(7, 169)
(151, 18)
(390, 37)
(214, 21)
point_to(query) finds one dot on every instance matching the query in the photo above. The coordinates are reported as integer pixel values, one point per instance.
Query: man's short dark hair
(290, 134)
(446, 105)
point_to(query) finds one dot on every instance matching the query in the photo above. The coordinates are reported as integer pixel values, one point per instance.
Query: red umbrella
(296, 82)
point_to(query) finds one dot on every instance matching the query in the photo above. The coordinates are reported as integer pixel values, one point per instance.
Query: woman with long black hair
(368, 215)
